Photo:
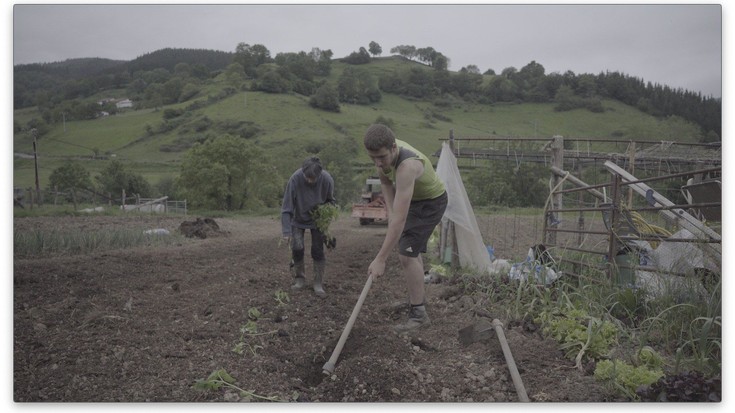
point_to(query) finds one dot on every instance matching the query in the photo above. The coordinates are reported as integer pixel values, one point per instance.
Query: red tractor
(371, 207)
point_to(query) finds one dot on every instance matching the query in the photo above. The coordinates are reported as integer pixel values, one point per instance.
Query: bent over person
(416, 200)
(309, 187)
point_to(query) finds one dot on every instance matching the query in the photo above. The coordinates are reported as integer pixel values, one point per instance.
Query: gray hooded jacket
(301, 197)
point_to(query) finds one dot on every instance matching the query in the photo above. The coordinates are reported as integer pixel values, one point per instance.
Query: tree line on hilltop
(176, 75)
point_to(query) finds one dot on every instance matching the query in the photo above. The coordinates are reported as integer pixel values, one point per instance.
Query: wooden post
(34, 132)
(123, 198)
(451, 140)
(448, 244)
(580, 203)
(631, 157)
(612, 249)
(446, 236)
(557, 160)
(455, 250)
(442, 237)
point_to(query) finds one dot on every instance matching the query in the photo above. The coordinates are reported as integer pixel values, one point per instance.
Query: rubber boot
(318, 278)
(298, 274)
(417, 317)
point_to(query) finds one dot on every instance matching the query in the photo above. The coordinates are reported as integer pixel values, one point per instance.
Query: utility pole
(34, 133)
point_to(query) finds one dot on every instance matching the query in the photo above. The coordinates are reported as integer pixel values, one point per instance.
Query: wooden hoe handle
(328, 367)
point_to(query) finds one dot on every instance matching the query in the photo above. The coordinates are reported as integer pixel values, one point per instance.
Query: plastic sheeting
(674, 258)
(681, 257)
(471, 250)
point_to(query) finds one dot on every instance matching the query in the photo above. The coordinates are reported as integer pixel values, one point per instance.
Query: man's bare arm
(389, 191)
(405, 180)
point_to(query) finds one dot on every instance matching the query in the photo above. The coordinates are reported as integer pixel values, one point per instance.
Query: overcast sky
(678, 45)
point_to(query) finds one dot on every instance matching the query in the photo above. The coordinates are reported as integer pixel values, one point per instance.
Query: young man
(416, 200)
(308, 187)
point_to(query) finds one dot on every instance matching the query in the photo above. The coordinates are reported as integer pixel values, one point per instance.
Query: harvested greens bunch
(323, 216)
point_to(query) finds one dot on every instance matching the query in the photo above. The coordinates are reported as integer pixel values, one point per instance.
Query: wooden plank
(576, 181)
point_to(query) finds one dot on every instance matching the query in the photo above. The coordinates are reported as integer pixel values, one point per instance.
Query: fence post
(442, 240)
(580, 221)
(612, 233)
(580, 204)
(557, 160)
(448, 245)
(455, 248)
(631, 159)
(34, 132)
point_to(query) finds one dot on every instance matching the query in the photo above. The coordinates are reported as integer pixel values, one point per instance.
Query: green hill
(289, 128)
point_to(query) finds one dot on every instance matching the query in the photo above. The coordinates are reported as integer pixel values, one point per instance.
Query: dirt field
(145, 324)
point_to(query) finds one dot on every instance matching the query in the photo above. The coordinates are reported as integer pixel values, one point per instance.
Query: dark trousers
(297, 244)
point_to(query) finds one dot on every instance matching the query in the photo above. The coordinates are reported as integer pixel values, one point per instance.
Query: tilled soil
(145, 324)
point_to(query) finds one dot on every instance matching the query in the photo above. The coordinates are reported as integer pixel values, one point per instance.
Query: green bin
(624, 271)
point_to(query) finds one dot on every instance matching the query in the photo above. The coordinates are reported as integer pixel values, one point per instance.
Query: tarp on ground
(471, 248)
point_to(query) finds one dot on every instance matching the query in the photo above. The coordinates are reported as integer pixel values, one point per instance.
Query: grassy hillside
(287, 125)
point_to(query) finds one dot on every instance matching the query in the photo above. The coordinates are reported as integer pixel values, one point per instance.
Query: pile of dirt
(201, 228)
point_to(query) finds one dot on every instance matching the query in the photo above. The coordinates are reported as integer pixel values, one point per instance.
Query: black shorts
(423, 216)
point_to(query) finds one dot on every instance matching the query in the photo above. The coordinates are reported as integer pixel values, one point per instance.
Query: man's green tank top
(428, 185)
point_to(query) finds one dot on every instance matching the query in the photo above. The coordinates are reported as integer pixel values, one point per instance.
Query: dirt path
(145, 324)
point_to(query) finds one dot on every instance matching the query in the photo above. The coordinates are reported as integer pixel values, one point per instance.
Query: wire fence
(601, 219)
(30, 198)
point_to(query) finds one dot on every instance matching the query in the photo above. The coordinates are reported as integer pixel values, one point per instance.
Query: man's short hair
(379, 136)
(312, 167)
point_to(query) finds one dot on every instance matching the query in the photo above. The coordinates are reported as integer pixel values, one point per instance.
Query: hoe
(328, 367)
